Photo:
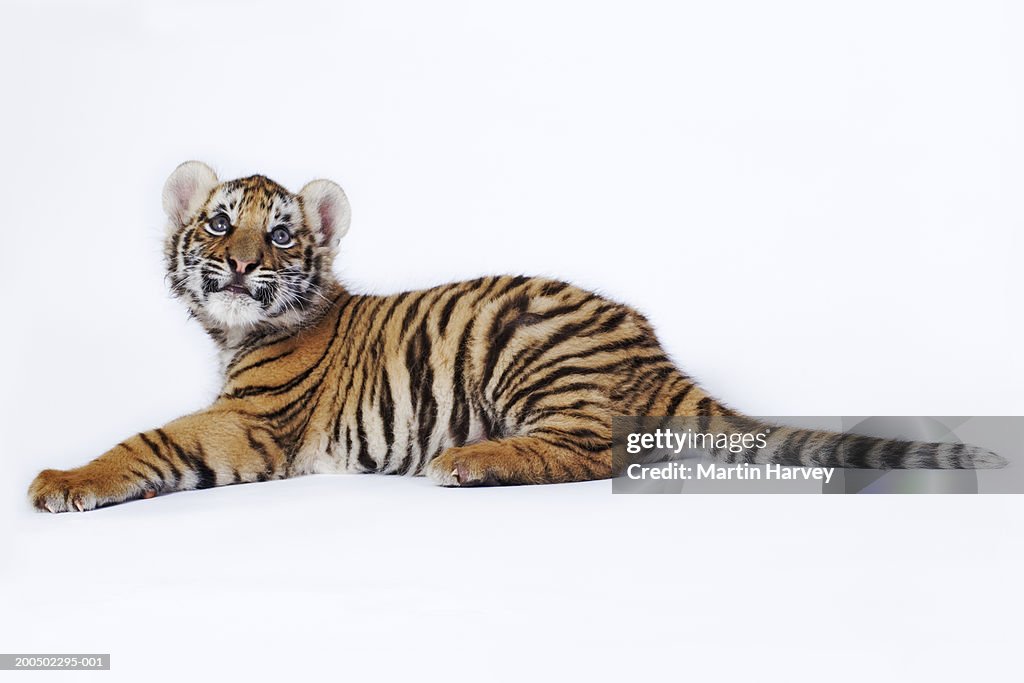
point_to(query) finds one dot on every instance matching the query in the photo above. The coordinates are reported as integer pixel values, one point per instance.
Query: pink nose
(242, 266)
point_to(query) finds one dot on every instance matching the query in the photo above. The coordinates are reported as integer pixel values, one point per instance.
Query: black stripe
(928, 454)
(571, 410)
(892, 453)
(830, 454)
(458, 425)
(678, 399)
(404, 467)
(173, 445)
(449, 307)
(704, 407)
(140, 475)
(356, 356)
(413, 309)
(541, 395)
(387, 411)
(657, 379)
(856, 453)
(500, 333)
(259, 364)
(955, 456)
(459, 422)
(577, 370)
(553, 288)
(365, 459)
(514, 283)
(421, 382)
(788, 452)
(572, 330)
(255, 390)
(268, 468)
(164, 458)
(280, 415)
(159, 475)
(634, 343)
(207, 477)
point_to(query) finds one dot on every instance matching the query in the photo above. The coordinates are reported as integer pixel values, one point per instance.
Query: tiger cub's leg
(549, 454)
(206, 449)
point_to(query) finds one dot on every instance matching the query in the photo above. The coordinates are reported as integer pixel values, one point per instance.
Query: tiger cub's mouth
(240, 290)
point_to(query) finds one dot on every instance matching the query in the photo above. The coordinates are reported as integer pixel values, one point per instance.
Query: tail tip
(982, 459)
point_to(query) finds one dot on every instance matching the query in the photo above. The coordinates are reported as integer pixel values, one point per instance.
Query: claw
(455, 473)
(48, 508)
(78, 504)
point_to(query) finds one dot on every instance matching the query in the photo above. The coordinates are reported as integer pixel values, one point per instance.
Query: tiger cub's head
(248, 253)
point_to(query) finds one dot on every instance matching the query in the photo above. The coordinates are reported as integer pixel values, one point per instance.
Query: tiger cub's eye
(281, 237)
(218, 225)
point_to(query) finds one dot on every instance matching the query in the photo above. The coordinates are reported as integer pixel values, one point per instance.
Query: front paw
(83, 489)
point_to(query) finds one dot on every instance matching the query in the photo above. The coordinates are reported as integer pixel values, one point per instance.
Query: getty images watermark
(816, 454)
(673, 442)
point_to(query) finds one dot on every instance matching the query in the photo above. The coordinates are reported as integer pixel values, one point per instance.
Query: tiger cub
(499, 380)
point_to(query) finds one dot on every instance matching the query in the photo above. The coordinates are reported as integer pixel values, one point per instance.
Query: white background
(817, 204)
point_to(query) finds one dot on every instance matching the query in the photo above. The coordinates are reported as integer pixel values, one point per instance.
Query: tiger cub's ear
(186, 190)
(327, 211)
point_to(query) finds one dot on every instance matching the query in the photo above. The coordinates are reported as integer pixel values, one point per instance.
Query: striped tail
(812, 448)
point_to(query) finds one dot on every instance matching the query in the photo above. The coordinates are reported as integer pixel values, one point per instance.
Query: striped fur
(499, 380)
